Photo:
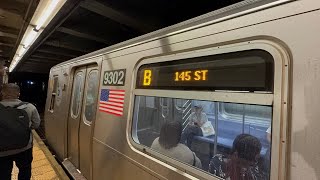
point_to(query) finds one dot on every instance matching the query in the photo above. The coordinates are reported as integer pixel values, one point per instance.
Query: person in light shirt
(168, 143)
(196, 120)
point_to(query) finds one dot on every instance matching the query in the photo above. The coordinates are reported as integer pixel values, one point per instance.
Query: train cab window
(76, 94)
(91, 96)
(200, 134)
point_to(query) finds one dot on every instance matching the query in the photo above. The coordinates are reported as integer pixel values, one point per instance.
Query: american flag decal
(111, 101)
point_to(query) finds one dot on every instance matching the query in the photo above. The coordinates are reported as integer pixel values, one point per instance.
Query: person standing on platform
(17, 118)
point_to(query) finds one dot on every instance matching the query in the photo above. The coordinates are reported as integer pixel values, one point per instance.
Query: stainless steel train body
(111, 143)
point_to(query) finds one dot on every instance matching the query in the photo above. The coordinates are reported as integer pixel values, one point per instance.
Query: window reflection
(91, 96)
(77, 92)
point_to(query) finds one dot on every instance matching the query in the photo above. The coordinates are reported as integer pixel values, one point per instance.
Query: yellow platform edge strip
(55, 165)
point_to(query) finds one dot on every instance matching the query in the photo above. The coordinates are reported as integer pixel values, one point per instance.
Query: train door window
(53, 93)
(76, 94)
(211, 112)
(91, 96)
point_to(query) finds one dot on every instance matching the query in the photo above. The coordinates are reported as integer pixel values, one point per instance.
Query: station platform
(44, 165)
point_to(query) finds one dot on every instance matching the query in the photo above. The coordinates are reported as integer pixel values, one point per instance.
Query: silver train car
(253, 67)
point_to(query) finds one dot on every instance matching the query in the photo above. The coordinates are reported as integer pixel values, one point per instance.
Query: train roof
(223, 14)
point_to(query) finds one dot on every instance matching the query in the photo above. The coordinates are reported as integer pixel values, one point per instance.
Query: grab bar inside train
(164, 103)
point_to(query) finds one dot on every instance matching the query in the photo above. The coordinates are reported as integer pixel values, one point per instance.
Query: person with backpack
(17, 118)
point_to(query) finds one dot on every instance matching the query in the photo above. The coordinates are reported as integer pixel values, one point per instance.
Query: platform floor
(44, 167)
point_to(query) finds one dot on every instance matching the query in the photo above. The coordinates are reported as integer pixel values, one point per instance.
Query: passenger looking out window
(169, 144)
(198, 126)
(242, 164)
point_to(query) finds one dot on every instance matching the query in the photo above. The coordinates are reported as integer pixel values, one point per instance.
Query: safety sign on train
(114, 77)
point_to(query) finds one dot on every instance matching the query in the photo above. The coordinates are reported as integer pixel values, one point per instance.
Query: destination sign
(243, 72)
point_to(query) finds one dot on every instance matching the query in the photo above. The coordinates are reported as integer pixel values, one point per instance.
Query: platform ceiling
(83, 26)
(15, 15)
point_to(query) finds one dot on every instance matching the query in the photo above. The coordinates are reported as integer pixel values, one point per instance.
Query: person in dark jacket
(242, 164)
(22, 157)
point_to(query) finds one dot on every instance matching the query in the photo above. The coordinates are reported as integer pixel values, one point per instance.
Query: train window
(53, 93)
(55, 84)
(91, 96)
(53, 99)
(238, 112)
(76, 94)
(200, 134)
(250, 70)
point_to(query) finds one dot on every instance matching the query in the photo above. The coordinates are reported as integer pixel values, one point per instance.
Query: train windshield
(208, 135)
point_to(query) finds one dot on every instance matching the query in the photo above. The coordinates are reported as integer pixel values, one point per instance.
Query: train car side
(287, 31)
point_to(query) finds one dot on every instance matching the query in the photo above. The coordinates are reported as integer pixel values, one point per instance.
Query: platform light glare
(46, 10)
(46, 13)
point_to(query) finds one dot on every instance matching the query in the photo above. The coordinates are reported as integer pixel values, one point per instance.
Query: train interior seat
(227, 133)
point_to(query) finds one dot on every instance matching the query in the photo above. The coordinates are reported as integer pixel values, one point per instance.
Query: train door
(74, 115)
(82, 113)
(88, 115)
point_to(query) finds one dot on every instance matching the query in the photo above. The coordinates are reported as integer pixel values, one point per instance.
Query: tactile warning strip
(42, 166)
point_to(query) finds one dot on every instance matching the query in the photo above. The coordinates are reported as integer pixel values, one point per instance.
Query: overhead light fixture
(17, 58)
(21, 50)
(32, 35)
(46, 14)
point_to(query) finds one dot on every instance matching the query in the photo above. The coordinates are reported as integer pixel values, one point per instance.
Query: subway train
(252, 67)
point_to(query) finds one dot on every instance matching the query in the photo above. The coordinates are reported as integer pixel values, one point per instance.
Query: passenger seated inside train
(242, 163)
(169, 144)
(198, 126)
